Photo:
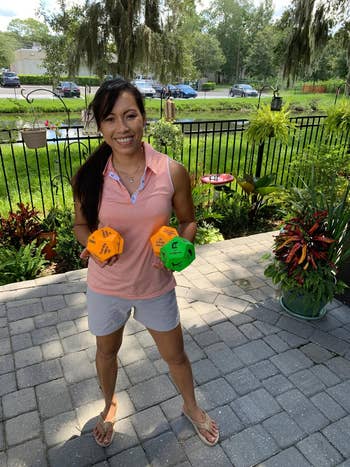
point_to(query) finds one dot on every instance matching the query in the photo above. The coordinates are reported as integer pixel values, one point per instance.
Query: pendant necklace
(130, 178)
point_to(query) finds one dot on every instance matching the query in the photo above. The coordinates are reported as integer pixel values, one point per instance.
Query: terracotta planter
(48, 249)
(34, 137)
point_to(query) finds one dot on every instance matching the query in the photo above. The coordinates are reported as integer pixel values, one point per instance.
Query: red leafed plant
(304, 243)
(312, 244)
(20, 227)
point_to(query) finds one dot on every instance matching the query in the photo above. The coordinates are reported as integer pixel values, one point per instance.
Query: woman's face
(122, 129)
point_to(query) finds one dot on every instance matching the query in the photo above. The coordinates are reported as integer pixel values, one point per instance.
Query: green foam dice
(177, 254)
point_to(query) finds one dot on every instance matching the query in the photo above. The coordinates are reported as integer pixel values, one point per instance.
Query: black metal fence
(41, 177)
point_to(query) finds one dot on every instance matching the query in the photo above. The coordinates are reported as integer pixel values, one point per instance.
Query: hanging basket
(34, 137)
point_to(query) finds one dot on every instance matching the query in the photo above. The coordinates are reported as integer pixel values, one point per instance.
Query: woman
(127, 185)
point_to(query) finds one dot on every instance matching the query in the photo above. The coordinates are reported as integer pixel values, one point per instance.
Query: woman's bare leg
(107, 370)
(171, 347)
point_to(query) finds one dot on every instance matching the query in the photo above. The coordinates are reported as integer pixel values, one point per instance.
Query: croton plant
(304, 257)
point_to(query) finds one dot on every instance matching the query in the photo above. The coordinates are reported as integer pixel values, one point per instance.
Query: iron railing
(41, 177)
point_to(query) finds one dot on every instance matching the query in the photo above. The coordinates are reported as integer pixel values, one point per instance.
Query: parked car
(145, 88)
(173, 91)
(166, 89)
(159, 88)
(67, 89)
(186, 91)
(243, 90)
(10, 79)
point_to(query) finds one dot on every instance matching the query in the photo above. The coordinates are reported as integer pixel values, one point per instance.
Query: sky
(23, 9)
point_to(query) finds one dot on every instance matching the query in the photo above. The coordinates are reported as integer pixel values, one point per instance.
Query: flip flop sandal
(205, 425)
(106, 428)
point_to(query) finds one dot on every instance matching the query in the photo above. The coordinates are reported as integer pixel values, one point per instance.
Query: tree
(228, 21)
(121, 37)
(28, 31)
(131, 32)
(207, 54)
(239, 26)
(312, 27)
(60, 45)
(260, 57)
(8, 45)
(54, 60)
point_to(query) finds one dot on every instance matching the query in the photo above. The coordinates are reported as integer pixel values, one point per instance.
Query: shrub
(68, 248)
(207, 233)
(21, 264)
(328, 165)
(209, 86)
(232, 211)
(166, 136)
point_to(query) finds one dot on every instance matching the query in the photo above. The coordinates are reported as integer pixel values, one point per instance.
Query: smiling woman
(129, 186)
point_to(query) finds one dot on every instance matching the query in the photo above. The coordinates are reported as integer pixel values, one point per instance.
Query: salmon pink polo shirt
(136, 218)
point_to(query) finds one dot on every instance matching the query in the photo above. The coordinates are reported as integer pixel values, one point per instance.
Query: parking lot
(15, 93)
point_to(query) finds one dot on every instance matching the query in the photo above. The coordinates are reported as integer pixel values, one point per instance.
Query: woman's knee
(177, 359)
(106, 354)
(107, 348)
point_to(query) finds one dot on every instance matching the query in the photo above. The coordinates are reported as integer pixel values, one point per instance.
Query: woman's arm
(182, 201)
(80, 228)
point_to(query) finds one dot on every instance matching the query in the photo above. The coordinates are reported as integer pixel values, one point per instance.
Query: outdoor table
(217, 179)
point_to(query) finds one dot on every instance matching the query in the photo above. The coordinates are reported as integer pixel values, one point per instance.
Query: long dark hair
(88, 181)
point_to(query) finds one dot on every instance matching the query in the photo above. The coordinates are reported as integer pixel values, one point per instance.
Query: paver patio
(279, 387)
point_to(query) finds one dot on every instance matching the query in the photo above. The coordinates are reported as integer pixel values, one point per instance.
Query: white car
(145, 88)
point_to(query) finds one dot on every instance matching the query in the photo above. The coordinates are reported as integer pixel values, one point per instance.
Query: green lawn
(42, 177)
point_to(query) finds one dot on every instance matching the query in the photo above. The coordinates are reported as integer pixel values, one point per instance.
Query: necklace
(131, 178)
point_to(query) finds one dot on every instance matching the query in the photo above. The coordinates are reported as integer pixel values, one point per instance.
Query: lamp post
(276, 102)
(161, 103)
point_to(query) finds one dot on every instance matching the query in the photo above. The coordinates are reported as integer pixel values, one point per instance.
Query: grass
(185, 108)
(41, 177)
(45, 173)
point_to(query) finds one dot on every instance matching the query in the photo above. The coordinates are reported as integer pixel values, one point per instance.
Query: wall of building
(30, 62)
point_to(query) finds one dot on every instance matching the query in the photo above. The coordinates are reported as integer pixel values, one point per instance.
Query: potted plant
(265, 123)
(34, 135)
(308, 250)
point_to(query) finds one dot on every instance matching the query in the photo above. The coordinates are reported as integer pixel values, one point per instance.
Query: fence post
(259, 159)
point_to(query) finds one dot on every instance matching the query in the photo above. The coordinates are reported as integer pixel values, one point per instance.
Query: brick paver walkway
(279, 387)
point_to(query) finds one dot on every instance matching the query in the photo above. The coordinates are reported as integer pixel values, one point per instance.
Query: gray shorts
(107, 313)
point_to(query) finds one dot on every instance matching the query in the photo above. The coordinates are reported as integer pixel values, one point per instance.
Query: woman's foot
(206, 428)
(104, 429)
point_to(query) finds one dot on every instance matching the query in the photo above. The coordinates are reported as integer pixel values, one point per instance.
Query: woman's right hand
(109, 262)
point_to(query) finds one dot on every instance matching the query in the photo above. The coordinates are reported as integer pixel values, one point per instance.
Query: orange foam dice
(105, 243)
(162, 237)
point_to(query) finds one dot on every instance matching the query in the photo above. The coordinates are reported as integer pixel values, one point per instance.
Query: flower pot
(303, 306)
(51, 238)
(34, 137)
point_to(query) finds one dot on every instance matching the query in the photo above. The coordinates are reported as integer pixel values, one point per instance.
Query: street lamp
(276, 102)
